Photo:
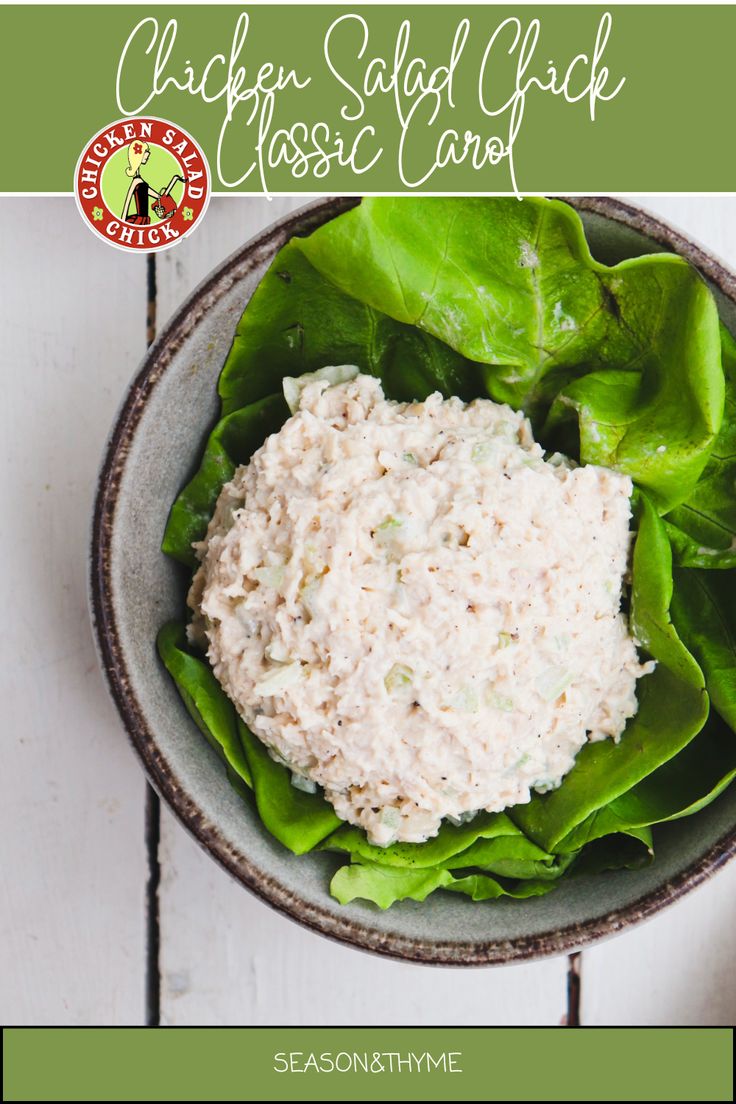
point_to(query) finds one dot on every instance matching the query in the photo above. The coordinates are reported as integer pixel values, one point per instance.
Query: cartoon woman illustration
(140, 190)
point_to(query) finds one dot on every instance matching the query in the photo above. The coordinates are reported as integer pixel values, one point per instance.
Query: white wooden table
(73, 880)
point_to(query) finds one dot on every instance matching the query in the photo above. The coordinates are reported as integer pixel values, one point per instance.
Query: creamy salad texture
(413, 608)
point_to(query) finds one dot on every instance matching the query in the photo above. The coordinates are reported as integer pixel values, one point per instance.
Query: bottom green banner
(352, 1063)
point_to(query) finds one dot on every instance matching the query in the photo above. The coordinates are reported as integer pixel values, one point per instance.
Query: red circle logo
(142, 184)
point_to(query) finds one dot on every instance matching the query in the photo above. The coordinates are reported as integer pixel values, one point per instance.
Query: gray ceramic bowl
(153, 449)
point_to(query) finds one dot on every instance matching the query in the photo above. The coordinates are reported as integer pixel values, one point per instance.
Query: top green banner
(366, 99)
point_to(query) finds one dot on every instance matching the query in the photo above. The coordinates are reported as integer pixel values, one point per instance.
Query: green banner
(342, 1063)
(449, 98)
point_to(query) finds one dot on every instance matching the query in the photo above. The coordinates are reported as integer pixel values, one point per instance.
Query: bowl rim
(111, 654)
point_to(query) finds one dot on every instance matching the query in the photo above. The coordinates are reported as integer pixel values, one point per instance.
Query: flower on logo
(97, 213)
(187, 214)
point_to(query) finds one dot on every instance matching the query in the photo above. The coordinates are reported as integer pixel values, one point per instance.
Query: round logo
(142, 184)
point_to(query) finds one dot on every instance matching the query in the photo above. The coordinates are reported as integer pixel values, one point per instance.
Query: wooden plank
(72, 315)
(676, 969)
(227, 958)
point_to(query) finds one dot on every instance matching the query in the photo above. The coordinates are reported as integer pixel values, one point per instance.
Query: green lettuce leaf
(513, 286)
(384, 885)
(703, 529)
(689, 551)
(479, 842)
(232, 442)
(207, 703)
(297, 321)
(508, 867)
(704, 611)
(619, 851)
(683, 786)
(297, 819)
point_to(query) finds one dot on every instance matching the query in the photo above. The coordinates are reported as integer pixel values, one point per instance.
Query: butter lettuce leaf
(207, 703)
(704, 610)
(232, 442)
(297, 819)
(513, 286)
(385, 885)
(703, 529)
(478, 842)
(618, 851)
(682, 786)
(297, 321)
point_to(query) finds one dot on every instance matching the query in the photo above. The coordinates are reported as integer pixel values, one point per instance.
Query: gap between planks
(574, 988)
(153, 804)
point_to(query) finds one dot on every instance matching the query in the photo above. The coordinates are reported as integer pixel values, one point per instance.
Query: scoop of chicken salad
(414, 608)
